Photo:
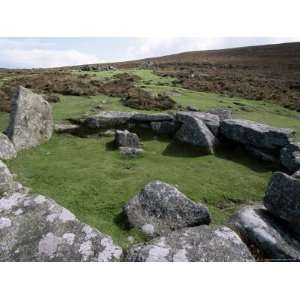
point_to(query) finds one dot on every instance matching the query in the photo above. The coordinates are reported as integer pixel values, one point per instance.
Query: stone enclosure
(36, 228)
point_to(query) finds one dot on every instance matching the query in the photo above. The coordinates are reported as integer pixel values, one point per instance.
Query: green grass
(94, 181)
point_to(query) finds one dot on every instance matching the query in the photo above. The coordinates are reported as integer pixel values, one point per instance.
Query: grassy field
(94, 181)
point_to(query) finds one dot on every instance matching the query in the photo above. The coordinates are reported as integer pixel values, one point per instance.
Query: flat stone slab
(7, 148)
(267, 235)
(66, 128)
(159, 117)
(256, 134)
(161, 208)
(31, 120)
(290, 157)
(195, 244)
(282, 198)
(36, 228)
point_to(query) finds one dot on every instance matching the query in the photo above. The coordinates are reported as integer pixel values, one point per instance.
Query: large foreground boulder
(290, 157)
(7, 149)
(36, 228)
(160, 208)
(196, 133)
(267, 236)
(282, 198)
(256, 134)
(31, 120)
(196, 244)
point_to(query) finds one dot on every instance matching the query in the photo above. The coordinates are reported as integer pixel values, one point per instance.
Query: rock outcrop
(255, 134)
(30, 120)
(36, 228)
(269, 237)
(196, 244)
(282, 198)
(7, 149)
(290, 157)
(160, 208)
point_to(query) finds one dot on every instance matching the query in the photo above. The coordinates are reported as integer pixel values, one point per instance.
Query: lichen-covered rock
(196, 244)
(31, 120)
(268, 236)
(282, 198)
(36, 228)
(210, 120)
(124, 138)
(131, 152)
(107, 120)
(290, 157)
(256, 134)
(7, 182)
(196, 133)
(7, 149)
(160, 208)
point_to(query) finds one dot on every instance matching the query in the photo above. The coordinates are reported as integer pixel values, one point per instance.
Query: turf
(91, 178)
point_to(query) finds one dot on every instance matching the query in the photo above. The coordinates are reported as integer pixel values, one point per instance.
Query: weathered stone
(210, 120)
(165, 127)
(268, 236)
(131, 152)
(196, 133)
(196, 244)
(290, 157)
(260, 154)
(107, 120)
(159, 117)
(36, 228)
(223, 114)
(66, 128)
(297, 174)
(7, 149)
(124, 138)
(282, 198)
(31, 120)
(7, 182)
(160, 208)
(256, 134)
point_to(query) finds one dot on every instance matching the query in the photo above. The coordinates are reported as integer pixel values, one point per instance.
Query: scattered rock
(66, 128)
(7, 149)
(124, 138)
(290, 157)
(191, 108)
(160, 208)
(256, 134)
(266, 234)
(131, 152)
(282, 198)
(36, 228)
(30, 120)
(196, 244)
(196, 133)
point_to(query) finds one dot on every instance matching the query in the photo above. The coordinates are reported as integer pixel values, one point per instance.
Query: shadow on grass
(110, 146)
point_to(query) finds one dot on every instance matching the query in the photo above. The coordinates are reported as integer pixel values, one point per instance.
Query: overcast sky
(55, 52)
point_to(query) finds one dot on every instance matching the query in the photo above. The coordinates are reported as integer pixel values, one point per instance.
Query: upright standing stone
(31, 120)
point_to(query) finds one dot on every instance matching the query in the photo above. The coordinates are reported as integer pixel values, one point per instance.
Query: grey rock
(282, 198)
(108, 133)
(196, 133)
(261, 154)
(66, 128)
(161, 208)
(223, 114)
(159, 117)
(107, 120)
(31, 120)
(266, 235)
(290, 157)
(7, 182)
(165, 127)
(7, 149)
(124, 138)
(191, 108)
(210, 120)
(131, 152)
(297, 174)
(256, 134)
(196, 244)
(36, 228)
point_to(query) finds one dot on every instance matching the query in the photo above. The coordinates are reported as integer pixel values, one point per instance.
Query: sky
(56, 52)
